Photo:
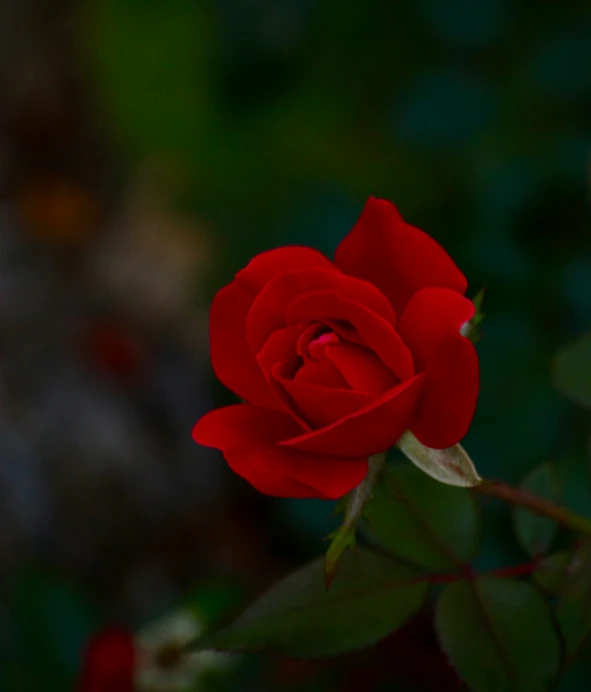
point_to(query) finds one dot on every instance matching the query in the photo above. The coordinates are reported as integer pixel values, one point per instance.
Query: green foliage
(577, 582)
(535, 533)
(423, 521)
(345, 537)
(567, 576)
(552, 570)
(576, 677)
(572, 371)
(151, 61)
(50, 623)
(212, 601)
(371, 597)
(499, 635)
(573, 475)
(26, 676)
(574, 619)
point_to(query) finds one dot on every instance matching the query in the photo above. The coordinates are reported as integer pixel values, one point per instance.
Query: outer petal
(375, 332)
(397, 258)
(430, 326)
(231, 358)
(269, 309)
(371, 430)
(248, 437)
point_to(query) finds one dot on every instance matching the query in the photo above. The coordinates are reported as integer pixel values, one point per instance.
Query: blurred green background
(148, 149)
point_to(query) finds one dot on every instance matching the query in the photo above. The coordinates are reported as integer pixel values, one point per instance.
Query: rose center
(316, 346)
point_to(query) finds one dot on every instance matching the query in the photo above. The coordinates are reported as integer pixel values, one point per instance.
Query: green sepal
(474, 333)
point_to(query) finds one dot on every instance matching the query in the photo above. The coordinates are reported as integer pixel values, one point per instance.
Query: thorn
(329, 575)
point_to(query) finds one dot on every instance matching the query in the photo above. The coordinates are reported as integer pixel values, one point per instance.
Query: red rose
(337, 359)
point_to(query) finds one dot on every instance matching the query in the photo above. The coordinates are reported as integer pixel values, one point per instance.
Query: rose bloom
(336, 360)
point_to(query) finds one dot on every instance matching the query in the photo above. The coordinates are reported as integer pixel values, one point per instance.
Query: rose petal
(248, 436)
(375, 332)
(279, 361)
(362, 368)
(397, 258)
(430, 326)
(280, 349)
(308, 335)
(231, 358)
(269, 309)
(371, 430)
(320, 406)
(322, 373)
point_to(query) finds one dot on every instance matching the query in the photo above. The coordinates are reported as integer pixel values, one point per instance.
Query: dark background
(148, 149)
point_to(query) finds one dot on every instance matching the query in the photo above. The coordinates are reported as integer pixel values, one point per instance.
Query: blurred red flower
(109, 662)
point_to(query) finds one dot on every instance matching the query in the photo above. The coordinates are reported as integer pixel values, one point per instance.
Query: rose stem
(527, 500)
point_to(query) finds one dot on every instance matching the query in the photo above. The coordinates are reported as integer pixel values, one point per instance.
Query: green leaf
(572, 371)
(425, 522)
(567, 575)
(551, 571)
(535, 533)
(574, 619)
(573, 610)
(498, 634)
(451, 466)
(371, 597)
(577, 581)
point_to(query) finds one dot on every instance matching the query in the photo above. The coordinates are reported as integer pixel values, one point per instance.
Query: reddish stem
(514, 570)
(468, 573)
(544, 508)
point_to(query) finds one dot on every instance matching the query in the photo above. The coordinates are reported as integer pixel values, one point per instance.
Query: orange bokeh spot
(58, 210)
